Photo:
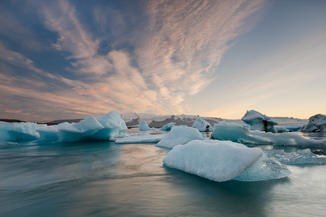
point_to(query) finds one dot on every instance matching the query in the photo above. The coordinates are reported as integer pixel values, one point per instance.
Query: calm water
(105, 179)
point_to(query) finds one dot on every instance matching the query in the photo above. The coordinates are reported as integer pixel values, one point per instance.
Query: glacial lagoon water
(106, 179)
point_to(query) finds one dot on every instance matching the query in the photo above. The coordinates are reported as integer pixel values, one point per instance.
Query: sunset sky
(72, 59)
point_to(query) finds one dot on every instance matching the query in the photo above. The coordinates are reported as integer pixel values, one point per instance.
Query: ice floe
(258, 121)
(180, 135)
(242, 134)
(91, 128)
(224, 160)
(202, 125)
(317, 123)
(304, 156)
(149, 138)
(19, 131)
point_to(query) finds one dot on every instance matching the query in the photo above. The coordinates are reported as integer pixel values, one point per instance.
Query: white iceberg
(223, 160)
(202, 125)
(143, 126)
(19, 131)
(304, 156)
(180, 136)
(168, 126)
(242, 134)
(317, 123)
(91, 128)
(147, 138)
(258, 121)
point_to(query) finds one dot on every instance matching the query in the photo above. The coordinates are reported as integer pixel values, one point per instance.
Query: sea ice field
(103, 178)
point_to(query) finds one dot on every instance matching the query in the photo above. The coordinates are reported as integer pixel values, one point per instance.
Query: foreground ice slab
(202, 125)
(223, 160)
(296, 158)
(143, 126)
(168, 126)
(141, 139)
(91, 128)
(19, 131)
(241, 134)
(258, 121)
(316, 123)
(180, 136)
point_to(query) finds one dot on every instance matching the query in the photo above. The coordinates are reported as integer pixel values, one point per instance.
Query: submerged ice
(91, 128)
(224, 160)
(202, 125)
(242, 134)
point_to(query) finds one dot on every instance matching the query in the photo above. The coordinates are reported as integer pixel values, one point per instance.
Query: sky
(214, 58)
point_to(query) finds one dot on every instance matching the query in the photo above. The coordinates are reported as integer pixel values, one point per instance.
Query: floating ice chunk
(224, 160)
(180, 136)
(281, 129)
(143, 126)
(141, 139)
(202, 125)
(317, 123)
(168, 126)
(241, 134)
(299, 157)
(258, 121)
(91, 128)
(19, 131)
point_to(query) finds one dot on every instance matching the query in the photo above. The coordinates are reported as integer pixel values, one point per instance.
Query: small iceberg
(202, 125)
(19, 131)
(317, 123)
(91, 128)
(147, 138)
(224, 160)
(258, 121)
(242, 134)
(168, 126)
(143, 126)
(180, 135)
(295, 158)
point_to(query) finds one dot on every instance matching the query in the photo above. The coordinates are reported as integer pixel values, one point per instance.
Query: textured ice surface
(224, 160)
(168, 126)
(19, 131)
(317, 123)
(256, 119)
(202, 125)
(141, 139)
(263, 169)
(180, 136)
(299, 157)
(91, 128)
(281, 129)
(241, 134)
(143, 126)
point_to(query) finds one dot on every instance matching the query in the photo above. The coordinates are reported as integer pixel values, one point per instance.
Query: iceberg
(317, 123)
(202, 125)
(180, 136)
(242, 134)
(146, 138)
(224, 160)
(19, 131)
(258, 121)
(295, 158)
(168, 126)
(143, 126)
(91, 128)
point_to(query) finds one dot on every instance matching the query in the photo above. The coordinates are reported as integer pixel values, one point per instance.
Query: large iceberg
(258, 121)
(180, 136)
(168, 126)
(304, 156)
(202, 125)
(19, 131)
(143, 126)
(242, 134)
(224, 160)
(317, 123)
(91, 128)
